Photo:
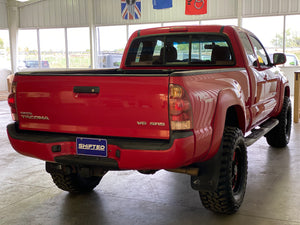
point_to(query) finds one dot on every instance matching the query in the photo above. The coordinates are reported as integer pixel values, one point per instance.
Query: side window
(139, 52)
(200, 52)
(177, 49)
(260, 52)
(248, 48)
(159, 45)
(211, 50)
(182, 48)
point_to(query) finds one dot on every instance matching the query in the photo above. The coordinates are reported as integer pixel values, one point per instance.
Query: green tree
(291, 39)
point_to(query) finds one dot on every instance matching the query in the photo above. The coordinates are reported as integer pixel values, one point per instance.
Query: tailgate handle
(86, 89)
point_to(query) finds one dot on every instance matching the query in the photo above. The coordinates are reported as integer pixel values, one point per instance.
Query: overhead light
(22, 0)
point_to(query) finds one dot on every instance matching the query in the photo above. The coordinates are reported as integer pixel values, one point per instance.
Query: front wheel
(279, 136)
(230, 191)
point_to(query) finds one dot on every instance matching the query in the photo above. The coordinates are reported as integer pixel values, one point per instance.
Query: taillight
(180, 108)
(12, 102)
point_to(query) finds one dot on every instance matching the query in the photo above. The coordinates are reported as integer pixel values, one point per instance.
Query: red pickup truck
(185, 99)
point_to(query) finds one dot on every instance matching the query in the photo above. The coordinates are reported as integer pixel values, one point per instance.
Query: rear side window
(248, 48)
(260, 52)
(176, 50)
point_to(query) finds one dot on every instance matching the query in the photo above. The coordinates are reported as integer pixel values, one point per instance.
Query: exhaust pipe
(193, 171)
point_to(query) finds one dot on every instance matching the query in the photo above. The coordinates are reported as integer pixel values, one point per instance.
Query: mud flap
(209, 173)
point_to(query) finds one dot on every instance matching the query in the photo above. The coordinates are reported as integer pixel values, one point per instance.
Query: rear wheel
(229, 195)
(74, 182)
(279, 136)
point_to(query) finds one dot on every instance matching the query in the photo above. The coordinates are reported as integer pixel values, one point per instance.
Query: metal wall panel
(54, 13)
(74, 13)
(270, 7)
(3, 15)
(108, 12)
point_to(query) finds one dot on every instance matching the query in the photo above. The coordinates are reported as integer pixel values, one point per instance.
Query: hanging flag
(162, 4)
(195, 7)
(131, 9)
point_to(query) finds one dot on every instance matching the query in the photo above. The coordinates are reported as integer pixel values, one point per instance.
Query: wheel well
(234, 118)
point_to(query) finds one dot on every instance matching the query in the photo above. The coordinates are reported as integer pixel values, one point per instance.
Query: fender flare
(228, 98)
(208, 177)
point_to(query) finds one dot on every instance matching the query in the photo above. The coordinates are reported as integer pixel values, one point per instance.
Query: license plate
(91, 146)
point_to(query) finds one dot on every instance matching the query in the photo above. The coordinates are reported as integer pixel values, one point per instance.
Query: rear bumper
(122, 153)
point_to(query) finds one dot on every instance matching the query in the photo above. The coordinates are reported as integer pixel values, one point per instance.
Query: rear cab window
(180, 50)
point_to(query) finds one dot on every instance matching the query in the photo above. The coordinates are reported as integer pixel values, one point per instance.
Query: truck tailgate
(106, 105)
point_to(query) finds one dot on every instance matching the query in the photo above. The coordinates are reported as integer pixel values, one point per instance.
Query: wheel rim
(288, 123)
(236, 170)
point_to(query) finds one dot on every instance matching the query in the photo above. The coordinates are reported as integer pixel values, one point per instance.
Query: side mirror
(279, 58)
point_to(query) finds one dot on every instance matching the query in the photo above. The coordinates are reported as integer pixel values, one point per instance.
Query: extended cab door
(266, 71)
(263, 76)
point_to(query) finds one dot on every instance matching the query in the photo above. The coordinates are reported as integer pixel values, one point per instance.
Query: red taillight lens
(180, 109)
(178, 106)
(12, 102)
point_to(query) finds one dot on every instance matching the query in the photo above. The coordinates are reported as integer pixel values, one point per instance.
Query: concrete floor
(28, 196)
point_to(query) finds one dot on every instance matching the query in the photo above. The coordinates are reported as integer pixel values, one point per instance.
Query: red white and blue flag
(131, 9)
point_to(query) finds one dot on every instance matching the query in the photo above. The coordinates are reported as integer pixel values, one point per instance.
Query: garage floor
(28, 196)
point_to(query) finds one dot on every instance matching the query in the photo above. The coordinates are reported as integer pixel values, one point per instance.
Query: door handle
(86, 89)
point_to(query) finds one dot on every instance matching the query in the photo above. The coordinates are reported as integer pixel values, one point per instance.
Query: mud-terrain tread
(279, 136)
(223, 199)
(73, 183)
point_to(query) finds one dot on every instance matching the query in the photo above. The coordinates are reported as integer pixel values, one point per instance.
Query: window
(79, 47)
(159, 45)
(28, 49)
(292, 40)
(209, 50)
(53, 49)
(4, 50)
(260, 52)
(268, 35)
(111, 43)
(248, 48)
(180, 50)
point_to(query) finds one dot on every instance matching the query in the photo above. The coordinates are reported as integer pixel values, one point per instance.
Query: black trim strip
(208, 71)
(141, 73)
(87, 160)
(124, 143)
(96, 73)
(222, 29)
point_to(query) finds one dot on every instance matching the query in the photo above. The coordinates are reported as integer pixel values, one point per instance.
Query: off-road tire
(74, 183)
(229, 195)
(279, 136)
